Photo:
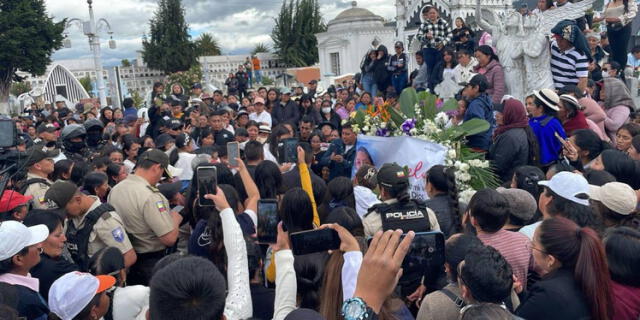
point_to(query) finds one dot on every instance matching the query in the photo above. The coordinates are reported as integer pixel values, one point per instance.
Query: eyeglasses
(538, 249)
(605, 70)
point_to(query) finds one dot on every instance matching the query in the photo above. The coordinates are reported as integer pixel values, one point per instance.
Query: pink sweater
(616, 117)
(594, 112)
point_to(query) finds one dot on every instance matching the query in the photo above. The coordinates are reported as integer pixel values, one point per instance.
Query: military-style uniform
(108, 231)
(37, 190)
(402, 218)
(147, 217)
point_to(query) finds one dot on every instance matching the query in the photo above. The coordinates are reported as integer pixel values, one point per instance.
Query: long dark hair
(296, 210)
(582, 215)
(60, 168)
(217, 253)
(274, 138)
(340, 194)
(581, 251)
(443, 179)
(587, 140)
(621, 166)
(268, 179)
(488, 51)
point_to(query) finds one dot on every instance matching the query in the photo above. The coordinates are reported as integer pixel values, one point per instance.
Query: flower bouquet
(425, 116)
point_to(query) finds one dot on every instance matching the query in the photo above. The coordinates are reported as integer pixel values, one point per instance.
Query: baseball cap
(169, 190)
(399, 44)
(38, 153)
(617, 196)
(15, 236)
(392, 175)
(163, 139)
(258, 100)
(157, 156)
(568, 185)
(521, 203)
(72, 292)
(48, 127)
(174, 124)
(88, 107)
(12, 199)
(264, 129)
(196, 85)
(182, 140)
(548, 97)
(285, 91)
(242, 112)
(206, 96)
(59, 98)
(477, 80)
(61, 192)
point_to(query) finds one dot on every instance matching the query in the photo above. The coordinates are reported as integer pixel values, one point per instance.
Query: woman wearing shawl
(514, 144)
(570, 115)
(617, 104)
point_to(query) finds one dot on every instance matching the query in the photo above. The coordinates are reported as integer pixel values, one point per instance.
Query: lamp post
(91, 29)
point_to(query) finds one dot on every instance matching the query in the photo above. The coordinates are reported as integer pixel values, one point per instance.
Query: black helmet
(73, 131)
(92, 123)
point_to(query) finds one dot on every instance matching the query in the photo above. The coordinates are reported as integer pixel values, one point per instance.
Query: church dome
(355, 14)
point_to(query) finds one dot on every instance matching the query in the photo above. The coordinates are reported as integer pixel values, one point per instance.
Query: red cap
(12, 199)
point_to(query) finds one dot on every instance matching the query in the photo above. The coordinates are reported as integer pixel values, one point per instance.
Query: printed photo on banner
(417, 155)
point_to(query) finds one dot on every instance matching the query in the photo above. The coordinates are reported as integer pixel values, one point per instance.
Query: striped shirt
(567, 67)
(515, 247)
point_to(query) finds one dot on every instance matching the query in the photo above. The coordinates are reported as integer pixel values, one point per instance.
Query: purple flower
(382, 132)
(439, 103)
(407, 125)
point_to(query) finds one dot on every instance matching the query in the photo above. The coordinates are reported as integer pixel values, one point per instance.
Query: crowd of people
(102, 216)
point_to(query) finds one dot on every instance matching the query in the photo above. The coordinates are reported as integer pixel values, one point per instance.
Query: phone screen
(312, 241)
(268, 221)
(426, 254)
(233, 152)
(207, 183)
(288, 150)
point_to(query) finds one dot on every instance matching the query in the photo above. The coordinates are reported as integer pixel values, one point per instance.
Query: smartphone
(233, 152)
(177, 208)
(268, 220)
(288, 150)
(311, 241)
(560, 138)
(207, 183)
(426, 254)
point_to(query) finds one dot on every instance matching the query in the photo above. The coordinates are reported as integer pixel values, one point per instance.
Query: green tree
(18, 88)
(294, 32)
(138, 99)
(28, 37)
(260, 48)
(169, 47)
(125, 63)
(86, 84)
(207, 45)
(266, 81)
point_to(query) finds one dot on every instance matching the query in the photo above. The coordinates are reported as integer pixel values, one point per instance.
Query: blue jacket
(339, 169)
(545, 128)
(482, 108)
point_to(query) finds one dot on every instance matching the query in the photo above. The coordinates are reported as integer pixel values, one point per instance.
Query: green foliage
(260, 48)
(18, 88)
(207, 45)
(408, 100)
(294, 32)
(28, 37)
(138, 99)
(86, 83)
(169, 47)
(185, 78)
(266, 81)
(125, 63)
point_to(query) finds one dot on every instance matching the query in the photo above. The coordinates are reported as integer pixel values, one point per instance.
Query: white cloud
(238, 25)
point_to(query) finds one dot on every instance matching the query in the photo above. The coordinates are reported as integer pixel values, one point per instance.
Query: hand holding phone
(233, 153)
(268, 220)
(311, 241)
(207, 184)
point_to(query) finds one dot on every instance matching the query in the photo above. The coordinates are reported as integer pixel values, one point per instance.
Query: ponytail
(443, 179)
(580, 250)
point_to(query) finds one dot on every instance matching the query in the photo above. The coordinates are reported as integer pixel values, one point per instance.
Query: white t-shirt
(130, 302)
(129, 165)
(263, 117)
(184, 163)
(529, 230)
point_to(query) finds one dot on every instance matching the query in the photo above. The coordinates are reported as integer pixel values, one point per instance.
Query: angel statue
(537, 56)
(505, 34)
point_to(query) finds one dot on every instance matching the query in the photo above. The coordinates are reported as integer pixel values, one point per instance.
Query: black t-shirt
(262, 299)
(222, 137)
(242, 192)
(49, 270)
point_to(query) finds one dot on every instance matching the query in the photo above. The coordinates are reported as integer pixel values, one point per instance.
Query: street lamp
(91, 29)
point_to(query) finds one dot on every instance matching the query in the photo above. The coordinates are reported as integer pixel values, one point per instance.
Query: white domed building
(348, 38)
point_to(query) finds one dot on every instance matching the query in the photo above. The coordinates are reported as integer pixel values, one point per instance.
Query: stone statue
(537, 56)
(506, 37)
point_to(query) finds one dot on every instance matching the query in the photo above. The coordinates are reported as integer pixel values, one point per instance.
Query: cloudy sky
(238, 24)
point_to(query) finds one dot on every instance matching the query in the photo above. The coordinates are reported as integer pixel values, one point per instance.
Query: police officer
(91, 224)
(397, 210)
(39, 165)
(146, 214)
(46, 135)
(73, 140)
(94, 127)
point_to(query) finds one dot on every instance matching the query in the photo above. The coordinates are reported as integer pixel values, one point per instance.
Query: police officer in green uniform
(39, 164)
(398, 211)
(91, 224)
(150, 224)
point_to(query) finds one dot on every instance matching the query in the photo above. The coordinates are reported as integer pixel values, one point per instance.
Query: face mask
(605, 75)
(93, 138)
(326, 110)
(261, 139)
(75, 147)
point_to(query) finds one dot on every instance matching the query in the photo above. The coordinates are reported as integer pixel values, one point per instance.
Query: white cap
(568, 185)
(72, 292)
(617, 196)
(15, 236)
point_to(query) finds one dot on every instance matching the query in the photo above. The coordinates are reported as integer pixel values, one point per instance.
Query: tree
(86, 84)
(169, 47)
(207, 45)
(260, 48)
(294, 32)
(18, 88)
(28, 37)
(125, 63)
(266, 81)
